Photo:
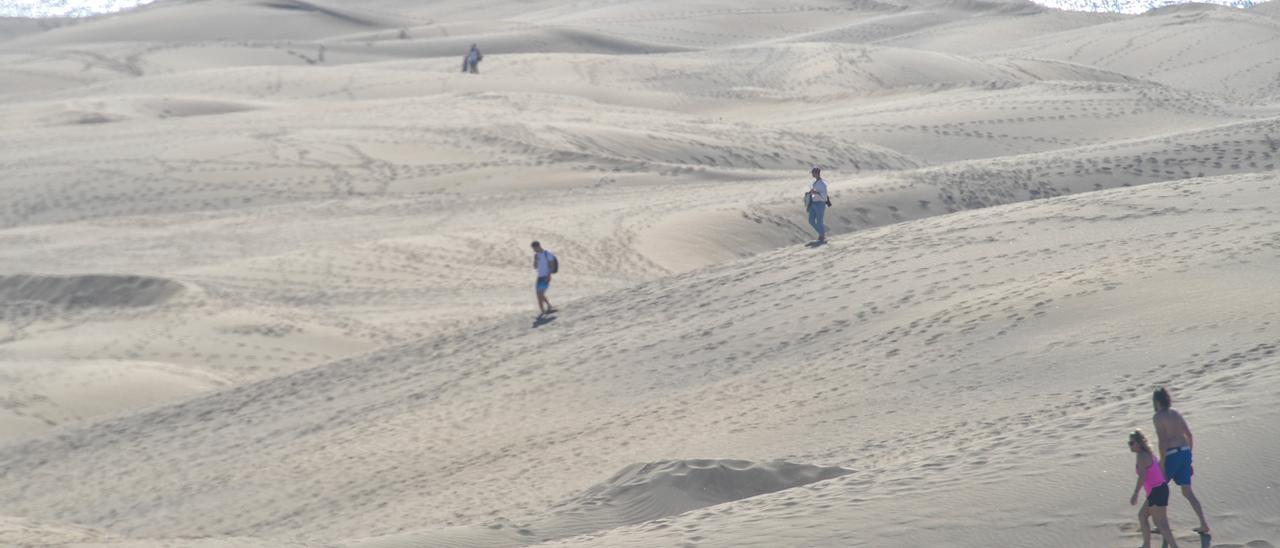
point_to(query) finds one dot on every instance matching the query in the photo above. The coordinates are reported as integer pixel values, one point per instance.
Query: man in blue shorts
(816, 202)
(546, 264)
(1175, 450)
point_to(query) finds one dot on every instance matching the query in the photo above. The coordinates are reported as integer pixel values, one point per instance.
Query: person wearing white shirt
(816, 201)
(544, 262)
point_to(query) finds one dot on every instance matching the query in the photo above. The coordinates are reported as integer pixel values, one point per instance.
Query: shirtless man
(1176, 444)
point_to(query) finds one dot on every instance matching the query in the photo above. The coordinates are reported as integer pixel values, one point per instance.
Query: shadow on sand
(543, 319)
(1205, 541)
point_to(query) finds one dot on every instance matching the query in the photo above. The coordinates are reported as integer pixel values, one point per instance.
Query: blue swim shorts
(543, 283)
(1177, 466)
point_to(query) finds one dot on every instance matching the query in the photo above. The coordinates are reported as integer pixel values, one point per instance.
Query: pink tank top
(1155, 478)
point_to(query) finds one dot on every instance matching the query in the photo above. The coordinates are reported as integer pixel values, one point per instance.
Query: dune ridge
(86, 291)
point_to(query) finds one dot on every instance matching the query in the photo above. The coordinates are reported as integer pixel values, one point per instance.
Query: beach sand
(265, 276)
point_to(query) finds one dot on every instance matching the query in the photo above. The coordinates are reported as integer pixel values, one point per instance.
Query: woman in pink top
(1152, 479)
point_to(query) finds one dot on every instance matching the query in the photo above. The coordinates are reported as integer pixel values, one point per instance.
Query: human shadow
(1206, 541)
(544, 319)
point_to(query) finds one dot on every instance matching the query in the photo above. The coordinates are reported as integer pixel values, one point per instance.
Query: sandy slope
(1200, 47)
(1037, 325)
(264, 273)
(1267, 8)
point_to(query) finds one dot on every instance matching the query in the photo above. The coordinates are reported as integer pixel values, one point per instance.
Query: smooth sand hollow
(265, 278)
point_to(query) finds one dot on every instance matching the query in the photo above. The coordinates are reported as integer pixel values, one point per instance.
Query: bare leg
(1195, 505)
(1162, 522)
(541, 309)
(1145, 525)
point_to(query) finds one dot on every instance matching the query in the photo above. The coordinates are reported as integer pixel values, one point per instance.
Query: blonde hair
(1141, 439)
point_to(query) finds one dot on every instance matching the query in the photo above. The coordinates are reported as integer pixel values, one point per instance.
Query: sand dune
(91, 291)
(1023, 119)
(1238, 147)
(13, 27)
(21, 531)
(1266, 8)
(1080, 292)
(772, 77)
(636, 494)
(81, 347)
(712, 24)
(539, 39)
(41, 395)
(1197, 47)
(264, 272)
(993, 32)
(206, 21)
(119, 109)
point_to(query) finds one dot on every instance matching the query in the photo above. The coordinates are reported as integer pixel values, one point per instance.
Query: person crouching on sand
(1151, 478)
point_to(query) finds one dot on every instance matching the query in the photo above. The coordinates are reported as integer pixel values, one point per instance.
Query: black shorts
(1159, 496)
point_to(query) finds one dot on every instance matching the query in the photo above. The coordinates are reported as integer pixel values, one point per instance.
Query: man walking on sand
(1176, 444)
(816, 202)
(546, 264)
